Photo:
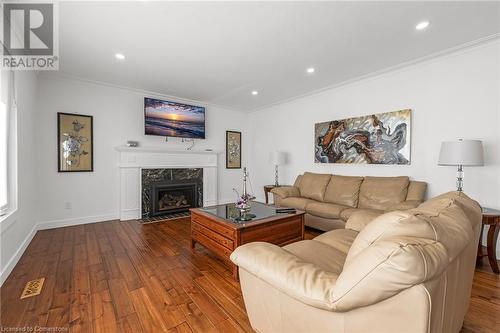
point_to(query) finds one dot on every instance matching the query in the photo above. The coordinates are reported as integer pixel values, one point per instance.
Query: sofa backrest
(383, 192)
(401, 249)
(362, 192)
(343, 190)
(313, 185)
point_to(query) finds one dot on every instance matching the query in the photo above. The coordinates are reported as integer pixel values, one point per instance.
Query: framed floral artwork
(75, 144)
(233, 150)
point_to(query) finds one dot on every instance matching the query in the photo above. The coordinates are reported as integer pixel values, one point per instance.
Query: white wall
(454, 96)
(118, 117)
(18, 228)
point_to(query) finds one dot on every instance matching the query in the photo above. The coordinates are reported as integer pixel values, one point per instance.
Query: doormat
(33, 288)
(164, 218)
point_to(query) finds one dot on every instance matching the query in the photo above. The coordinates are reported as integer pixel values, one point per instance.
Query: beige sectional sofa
(329, 200)
(404, 271)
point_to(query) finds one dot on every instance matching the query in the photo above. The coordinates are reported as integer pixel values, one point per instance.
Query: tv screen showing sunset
(166, 118)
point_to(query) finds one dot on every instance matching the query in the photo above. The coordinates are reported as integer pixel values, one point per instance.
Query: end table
(491, 217)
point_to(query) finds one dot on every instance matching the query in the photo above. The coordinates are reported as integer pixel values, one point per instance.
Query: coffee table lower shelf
(222, 237)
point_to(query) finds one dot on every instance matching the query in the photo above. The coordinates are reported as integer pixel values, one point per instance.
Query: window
(4, 142)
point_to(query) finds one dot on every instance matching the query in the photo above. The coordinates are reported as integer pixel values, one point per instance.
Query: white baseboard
(75, 221)
(130, 214)
(15, 258)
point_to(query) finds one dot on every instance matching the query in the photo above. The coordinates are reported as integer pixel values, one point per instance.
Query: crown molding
(147, 93)
(453, 51)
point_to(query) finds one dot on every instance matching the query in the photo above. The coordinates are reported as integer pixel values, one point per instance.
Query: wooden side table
(267, 189)
(491, 217)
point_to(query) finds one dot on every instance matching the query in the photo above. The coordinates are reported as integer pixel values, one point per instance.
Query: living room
(180, 166)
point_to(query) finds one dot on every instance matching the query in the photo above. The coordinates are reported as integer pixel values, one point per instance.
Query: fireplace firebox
(173, 197)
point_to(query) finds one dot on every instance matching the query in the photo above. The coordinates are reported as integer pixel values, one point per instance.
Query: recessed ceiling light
(310, 70)
(422, 25)
(255, 92)
(119, 56)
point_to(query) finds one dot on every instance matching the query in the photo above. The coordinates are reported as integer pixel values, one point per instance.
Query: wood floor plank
(182, 328)
(130, 324)
(237, 315)
(80, 308)
(129, 277)
(120, 297)
(103, 314)
(151, 320)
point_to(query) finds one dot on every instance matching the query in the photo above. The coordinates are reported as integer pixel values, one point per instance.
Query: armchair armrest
(286, 191)
(405, 205)
(284, 271)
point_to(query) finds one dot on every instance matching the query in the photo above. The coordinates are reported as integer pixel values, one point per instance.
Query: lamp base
(276, 175)
(460, 178)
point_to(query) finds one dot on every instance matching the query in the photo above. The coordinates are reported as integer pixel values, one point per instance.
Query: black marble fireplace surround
(180, 181)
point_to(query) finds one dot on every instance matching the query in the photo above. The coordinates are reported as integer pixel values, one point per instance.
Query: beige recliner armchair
(404, 271)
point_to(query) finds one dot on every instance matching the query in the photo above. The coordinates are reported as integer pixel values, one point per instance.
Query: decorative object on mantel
(461, 153)
(75, 143)
(191, 141)
(278, 159)
(132, 143)
(233, 150)
(243, 200)
(382, 138)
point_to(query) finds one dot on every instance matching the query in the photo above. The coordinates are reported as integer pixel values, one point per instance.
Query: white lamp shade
(278, 158)
(461, 152)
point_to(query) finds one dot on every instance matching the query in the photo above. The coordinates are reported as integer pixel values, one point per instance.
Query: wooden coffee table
(219, 229)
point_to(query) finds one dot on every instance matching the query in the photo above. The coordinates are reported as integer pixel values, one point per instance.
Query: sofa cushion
(322, 255)
(416, 190)
(297, 203)
(343, 190)
(382, 192)
(326, 210)
(340, 239)
(346, 213)
(297, 181)
(360, 219)
(313, 185)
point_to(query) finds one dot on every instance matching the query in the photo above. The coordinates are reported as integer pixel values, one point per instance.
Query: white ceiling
(218, 52)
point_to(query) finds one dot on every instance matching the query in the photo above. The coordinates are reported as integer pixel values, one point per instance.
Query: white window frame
(7, 78)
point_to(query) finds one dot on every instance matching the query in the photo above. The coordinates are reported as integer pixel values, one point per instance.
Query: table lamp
(461, 153)
(278, 159)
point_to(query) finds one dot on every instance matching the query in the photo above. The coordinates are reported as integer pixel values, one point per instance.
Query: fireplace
(173, 197)
(170, 191)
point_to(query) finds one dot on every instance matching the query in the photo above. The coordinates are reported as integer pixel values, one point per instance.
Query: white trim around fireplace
(131, 161)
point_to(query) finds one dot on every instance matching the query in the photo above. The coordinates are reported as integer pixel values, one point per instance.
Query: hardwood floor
(128, 277)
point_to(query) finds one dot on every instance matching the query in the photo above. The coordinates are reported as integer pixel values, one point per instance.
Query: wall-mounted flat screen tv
(164, 118)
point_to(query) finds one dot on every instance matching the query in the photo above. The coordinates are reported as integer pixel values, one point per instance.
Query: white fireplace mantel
(132, 160)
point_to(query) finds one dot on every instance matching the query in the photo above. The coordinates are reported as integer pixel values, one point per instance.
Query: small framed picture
(75, 144)
(233, 150)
